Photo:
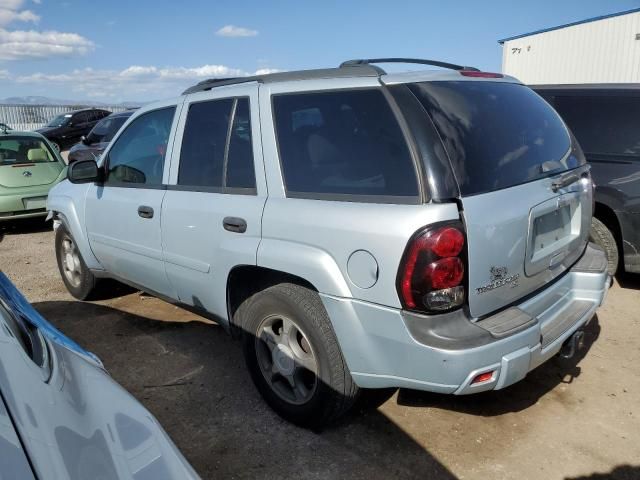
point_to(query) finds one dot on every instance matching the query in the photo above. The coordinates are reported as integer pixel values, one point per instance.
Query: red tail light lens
(432, 270)
(476, 74)
(445, 273)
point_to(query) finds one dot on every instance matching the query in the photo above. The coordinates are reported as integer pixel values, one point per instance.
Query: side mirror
(83, 139)
(84, 171)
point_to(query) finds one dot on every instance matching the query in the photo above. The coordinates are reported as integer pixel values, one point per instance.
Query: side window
(603, 125)
(203, 143)
(240, 168)
(138, 155)
(79, 118)
(343, 143)
(212, 155)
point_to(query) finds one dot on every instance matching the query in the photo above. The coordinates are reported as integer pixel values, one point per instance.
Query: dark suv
(98, 138)
(606, 121)
(66, 129)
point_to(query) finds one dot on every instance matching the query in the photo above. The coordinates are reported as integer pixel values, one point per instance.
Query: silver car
(360, 229)
(62, 416)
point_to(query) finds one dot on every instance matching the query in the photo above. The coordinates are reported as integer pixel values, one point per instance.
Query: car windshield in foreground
(15, 150)
(497, 134)
(60, 120)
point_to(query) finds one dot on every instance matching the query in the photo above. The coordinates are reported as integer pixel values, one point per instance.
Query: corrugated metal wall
(602, 51)
(30, 117)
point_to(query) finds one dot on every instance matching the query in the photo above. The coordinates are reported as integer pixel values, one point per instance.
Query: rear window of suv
(497, 134)
(337, 144)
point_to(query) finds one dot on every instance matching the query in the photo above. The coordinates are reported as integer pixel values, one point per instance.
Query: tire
(78, 279)
(603, 237)
(275, 360)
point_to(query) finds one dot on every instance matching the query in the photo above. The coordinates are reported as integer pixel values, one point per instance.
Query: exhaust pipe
(574, 343)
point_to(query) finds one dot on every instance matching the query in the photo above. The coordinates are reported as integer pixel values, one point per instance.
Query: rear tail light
(476, 74)
(432, 271)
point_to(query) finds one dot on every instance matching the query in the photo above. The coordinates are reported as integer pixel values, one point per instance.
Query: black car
(66, 129)
(605, 119)
(97, 140)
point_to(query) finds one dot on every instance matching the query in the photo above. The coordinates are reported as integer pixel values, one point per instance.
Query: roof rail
(420, 61)
(209, 83)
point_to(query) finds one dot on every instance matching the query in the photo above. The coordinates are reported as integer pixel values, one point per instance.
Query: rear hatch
(525, 191)
(29, 174)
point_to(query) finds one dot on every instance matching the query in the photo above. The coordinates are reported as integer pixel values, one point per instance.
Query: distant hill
(38, 100)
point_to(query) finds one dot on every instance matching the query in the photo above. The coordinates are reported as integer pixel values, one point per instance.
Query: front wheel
(293, 356)
(78, 279)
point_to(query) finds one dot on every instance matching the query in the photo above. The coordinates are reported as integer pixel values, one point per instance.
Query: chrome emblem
(499, 278)
(26, 173)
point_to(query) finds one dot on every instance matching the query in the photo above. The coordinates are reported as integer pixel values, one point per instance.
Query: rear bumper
(386, 347)
(13, 206)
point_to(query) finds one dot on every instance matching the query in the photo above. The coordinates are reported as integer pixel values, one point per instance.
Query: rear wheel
(603, 237)
(78, 279)
(293, 355)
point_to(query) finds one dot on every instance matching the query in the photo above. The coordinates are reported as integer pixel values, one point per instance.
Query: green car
(29, 167)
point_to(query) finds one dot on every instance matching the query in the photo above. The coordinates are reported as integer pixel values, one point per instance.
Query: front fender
(310, 263)
(67, 201)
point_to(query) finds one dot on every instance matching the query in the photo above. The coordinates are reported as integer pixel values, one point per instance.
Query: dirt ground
(577, 419)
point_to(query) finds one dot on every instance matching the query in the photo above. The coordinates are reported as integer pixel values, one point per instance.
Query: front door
(211, 216)
(123, 215)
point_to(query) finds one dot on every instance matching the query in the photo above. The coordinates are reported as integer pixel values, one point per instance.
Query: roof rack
(216, 82)
(420, 61)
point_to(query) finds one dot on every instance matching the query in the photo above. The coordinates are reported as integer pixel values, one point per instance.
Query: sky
(140, 50)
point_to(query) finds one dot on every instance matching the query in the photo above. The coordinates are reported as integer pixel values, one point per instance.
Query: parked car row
(359, 230)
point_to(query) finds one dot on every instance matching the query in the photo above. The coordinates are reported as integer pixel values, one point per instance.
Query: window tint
(23, 149)
(343, 142)
(240, 169)
(138, 154)
(203, 143)
(604, 125)
(496, 134)
(79, 118)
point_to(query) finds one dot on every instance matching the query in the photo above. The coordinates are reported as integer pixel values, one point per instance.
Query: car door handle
(234, 224)
(145, 212)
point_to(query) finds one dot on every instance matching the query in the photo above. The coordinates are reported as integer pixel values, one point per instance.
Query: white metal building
(603, 49)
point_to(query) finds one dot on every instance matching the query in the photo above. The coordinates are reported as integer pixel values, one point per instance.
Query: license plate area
(555, 226)
(33, 203)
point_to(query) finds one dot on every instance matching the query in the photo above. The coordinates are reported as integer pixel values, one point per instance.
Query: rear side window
(603, 125)
(137, 157)
(496, 134)
(343, 143)
(216, 146)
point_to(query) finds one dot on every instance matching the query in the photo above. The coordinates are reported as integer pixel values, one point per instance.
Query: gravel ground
(577, 419)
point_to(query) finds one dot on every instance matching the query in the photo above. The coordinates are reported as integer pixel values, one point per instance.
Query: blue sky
(116, 50)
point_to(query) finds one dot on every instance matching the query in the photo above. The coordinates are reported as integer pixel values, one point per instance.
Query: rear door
(525, 192)
(212, 212)
(123, 214)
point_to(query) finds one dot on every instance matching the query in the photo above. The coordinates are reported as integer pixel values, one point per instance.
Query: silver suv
(360, 229)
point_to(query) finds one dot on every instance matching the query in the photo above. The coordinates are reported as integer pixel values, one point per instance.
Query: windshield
(60, 120)
(16, 150)
(496, 134)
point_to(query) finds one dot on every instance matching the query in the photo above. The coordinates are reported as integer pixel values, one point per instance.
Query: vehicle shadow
(514, 398)
(621, 472)
(25, 226)
(191, 376)
(629, 280)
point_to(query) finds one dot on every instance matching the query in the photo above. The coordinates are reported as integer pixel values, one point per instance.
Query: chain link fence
(30, 117)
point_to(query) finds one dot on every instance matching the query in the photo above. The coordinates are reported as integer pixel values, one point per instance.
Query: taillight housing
(432, 272)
